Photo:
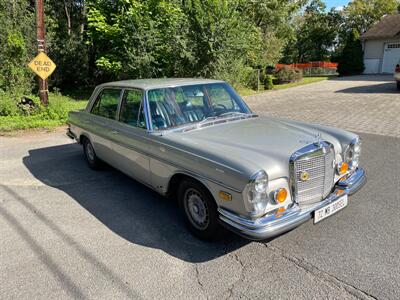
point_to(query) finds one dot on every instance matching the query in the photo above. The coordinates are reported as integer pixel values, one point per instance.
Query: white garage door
(371, 66)
(391, 57)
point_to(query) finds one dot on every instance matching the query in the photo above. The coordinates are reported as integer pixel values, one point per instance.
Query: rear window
(106, 104)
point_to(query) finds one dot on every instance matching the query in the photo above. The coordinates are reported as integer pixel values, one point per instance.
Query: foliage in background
(362, 14)
(268, 82)
(287, 74)
(137, 39)
(316, 34)
(65, 33)
(351, 60)
(55, 114)
(322, 35)
(17, 37)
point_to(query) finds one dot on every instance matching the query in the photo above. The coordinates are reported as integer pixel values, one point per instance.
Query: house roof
(388, 27)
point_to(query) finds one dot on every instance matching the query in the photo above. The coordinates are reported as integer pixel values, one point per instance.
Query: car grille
(313, 175)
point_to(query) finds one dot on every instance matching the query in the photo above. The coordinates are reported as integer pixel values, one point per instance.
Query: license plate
(330, 209)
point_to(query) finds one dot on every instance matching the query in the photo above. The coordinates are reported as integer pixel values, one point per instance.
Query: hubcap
(90, 152)
(196, 209)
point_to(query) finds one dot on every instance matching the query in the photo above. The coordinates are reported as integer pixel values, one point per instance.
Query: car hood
(252, 144)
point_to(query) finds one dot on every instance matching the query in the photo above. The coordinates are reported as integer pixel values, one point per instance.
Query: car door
(130, 138)
(102, 119)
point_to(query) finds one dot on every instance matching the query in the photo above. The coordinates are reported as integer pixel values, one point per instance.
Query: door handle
(114, 132)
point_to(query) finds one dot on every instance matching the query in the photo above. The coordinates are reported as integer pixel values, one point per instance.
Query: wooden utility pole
(41, 42)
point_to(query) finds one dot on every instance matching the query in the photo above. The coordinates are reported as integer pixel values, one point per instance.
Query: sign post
(41, 42)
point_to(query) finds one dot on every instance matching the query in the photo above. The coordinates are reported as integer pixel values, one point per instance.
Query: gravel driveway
(69, 232)
(367, 103)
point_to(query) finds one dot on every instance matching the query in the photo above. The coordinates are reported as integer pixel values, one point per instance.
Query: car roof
(147, 84)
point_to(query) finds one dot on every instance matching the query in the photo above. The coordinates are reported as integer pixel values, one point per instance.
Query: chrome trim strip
(273, 224)
(147, 112)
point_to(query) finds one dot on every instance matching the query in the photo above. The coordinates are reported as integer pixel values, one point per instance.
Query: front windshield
(175, 106)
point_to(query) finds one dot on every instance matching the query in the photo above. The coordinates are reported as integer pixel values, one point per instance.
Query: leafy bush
(266, 80)
(287, 74)
(8, 105)
(351, 60)
(13, 115)
(236, 73)
(268, 83)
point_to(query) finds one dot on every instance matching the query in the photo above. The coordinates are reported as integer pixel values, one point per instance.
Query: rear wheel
(91, 157)
(200, 210)
(398, 85)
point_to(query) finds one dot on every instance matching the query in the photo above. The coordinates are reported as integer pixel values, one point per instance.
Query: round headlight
(256, 198)
(352, 153)
(261, 182)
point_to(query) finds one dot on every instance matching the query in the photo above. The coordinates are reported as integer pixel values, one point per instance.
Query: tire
(398, 85)
(90, 155)
(199, 210)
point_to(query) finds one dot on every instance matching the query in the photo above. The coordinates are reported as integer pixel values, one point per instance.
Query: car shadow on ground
(128, 208)
(381, 88)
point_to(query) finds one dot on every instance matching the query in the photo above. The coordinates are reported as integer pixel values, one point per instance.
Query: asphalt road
(69, 232)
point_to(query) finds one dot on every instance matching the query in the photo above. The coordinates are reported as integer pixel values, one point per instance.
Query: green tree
(136, 39)
(351, 58)
(220, 35)
(316, 34)
(275, 20)
(362, 14)
(17, 39)
(65, 24)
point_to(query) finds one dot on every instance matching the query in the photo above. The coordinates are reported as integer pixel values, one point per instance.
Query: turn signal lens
(280, 195)
(225, 196)
(339, 192)
(343, 168)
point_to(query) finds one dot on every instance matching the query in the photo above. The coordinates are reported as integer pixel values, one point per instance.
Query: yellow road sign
(42, 65)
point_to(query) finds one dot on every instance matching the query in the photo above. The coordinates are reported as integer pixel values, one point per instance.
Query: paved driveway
(69, 232)
(368, 103)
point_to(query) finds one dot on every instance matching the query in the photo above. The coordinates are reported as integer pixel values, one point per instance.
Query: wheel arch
(178, 177)
(82, 137)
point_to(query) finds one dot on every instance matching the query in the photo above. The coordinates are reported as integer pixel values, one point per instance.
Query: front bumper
(275, 223)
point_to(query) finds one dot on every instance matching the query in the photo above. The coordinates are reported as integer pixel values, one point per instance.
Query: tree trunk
(68, 17)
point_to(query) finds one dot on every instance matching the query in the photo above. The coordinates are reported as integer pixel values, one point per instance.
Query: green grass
(305, 80)
(55, 114)
(244, 91)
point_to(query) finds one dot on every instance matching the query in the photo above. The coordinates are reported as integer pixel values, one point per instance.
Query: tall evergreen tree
(351, 58)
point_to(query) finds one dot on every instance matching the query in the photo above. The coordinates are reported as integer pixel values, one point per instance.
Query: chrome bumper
(71, 135)
(275, 223)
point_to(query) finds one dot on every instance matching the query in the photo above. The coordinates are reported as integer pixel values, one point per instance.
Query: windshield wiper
(233, 113)
(198, 124)
(207, 119)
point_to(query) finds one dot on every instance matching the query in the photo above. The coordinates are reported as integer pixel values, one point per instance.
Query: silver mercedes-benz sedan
(198, 141)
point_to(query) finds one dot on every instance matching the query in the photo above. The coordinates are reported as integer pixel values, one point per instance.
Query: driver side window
(220, 97)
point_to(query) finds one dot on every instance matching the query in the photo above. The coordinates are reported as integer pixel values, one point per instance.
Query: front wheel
(200, 210)
(398, 85)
